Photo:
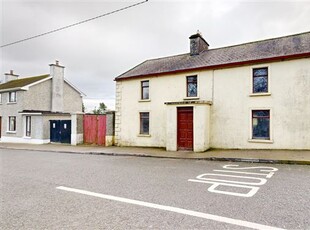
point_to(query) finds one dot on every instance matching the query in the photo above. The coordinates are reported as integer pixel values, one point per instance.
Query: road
(48, 190)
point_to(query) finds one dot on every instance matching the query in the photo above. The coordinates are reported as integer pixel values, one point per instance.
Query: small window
(28, 126)
(144, 123)
(145, 90)
(260, 80)
(12, 124)
(12, 96)
(191, 85)
(261, 124)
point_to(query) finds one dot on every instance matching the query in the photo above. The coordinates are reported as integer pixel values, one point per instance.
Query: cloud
(95, 53)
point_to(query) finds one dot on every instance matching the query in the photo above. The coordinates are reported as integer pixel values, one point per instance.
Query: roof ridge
(224, 47)
(225, 55)
(257, 41)
(43, 75)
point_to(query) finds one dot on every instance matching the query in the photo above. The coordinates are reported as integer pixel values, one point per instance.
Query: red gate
(94, 129)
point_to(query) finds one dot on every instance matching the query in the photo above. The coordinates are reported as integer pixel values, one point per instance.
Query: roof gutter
(221, 66)
(11, 89)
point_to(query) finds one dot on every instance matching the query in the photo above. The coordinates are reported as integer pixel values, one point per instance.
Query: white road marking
(212, 188)
(261, 180)
(210, 178)
(269, 175)
(172, 209)
(262, 168)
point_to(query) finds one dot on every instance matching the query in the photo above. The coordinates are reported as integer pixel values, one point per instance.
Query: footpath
(263, 156)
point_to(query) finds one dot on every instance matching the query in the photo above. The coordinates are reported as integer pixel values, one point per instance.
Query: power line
(74, 24)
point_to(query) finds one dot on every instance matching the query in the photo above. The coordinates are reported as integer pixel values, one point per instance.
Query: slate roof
(293, 46)
(19, 83)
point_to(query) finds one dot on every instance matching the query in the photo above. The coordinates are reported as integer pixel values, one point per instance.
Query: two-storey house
(248, 96)
(28, 105)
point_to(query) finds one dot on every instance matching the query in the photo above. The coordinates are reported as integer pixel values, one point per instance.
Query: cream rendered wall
(163, 89)
(230, 113)
(289, 103)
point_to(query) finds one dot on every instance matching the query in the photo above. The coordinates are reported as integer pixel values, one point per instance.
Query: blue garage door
(60, 131)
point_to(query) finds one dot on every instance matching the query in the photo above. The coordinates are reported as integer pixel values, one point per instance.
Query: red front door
(185, 128)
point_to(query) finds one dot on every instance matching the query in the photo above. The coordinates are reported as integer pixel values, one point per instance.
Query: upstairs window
(260, 80)
(12, 124)
(191, 85)
(145, 123)
(145, 90)
(261, 124)
(12, 96)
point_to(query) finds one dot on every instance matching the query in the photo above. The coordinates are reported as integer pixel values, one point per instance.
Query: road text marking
(246, 182)
(171, 209)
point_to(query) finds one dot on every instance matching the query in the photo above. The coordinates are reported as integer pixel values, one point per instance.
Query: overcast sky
(96, 52)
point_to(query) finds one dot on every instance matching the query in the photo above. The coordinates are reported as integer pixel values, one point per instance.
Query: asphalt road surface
(48, 190)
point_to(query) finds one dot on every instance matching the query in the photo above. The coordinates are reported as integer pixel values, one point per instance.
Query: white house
(248, 96)
(39, 109)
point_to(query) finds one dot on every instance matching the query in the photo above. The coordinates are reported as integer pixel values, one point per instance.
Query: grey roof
(296, 45)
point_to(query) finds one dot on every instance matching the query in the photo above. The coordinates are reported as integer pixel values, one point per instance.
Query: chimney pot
(57, 62)
(11, 72)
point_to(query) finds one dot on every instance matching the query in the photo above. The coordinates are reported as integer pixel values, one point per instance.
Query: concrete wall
(39, 97)
(77, 128)
(11, 109)
(72, 100)
(110, 128)
(229, 124)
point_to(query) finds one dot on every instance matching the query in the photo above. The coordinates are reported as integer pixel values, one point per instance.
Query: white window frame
(252, 94)
(9, 125)
(139, 122)
(9, 97)
(26, 126)
(198, 84)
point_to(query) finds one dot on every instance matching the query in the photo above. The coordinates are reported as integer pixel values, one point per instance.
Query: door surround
(185, 128)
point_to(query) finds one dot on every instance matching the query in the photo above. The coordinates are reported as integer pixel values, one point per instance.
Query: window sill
(259, 94)
(260, 141)
(144, 135)
(12, 132)
(26, 137)
(145, 100)
(9, 103)
(191, 98)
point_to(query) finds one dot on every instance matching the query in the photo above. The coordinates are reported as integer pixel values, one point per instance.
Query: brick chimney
(57, 74)
(197, 44)
(9, 76)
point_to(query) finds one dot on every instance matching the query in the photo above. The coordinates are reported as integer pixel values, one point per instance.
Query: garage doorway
(60, 131)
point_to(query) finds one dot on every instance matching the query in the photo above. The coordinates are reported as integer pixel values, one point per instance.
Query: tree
(101, 110)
